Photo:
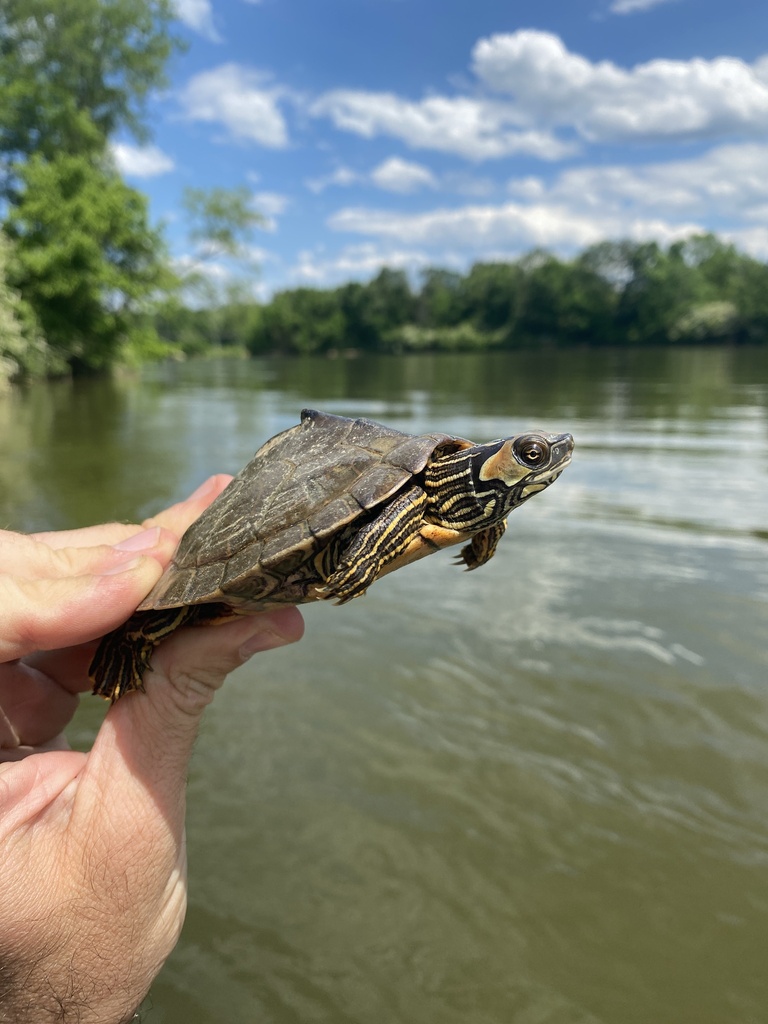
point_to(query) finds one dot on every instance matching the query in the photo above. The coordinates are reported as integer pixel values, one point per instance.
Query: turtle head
(477, 486)
(511, 470)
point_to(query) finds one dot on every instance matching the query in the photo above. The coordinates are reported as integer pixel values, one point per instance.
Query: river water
(534, 794)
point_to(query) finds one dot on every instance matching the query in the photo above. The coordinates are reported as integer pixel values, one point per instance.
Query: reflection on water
(535, 793)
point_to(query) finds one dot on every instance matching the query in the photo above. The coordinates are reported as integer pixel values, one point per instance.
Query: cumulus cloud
(726, 182)
(513, 226)
(751, 240)
(660, 99)
(341, 176)
(726, 186)
(392, 175)
(354, 261)
(271, 205)
(242, 100)
(396, 175)
(473, 128)
(198, 15)
(542, 88)
(141, 161)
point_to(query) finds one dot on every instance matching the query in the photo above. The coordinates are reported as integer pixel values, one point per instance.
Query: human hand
(92, 889)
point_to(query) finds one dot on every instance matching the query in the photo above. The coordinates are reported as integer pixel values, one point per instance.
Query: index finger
(176, 519)
(180, 516)
(86, 536)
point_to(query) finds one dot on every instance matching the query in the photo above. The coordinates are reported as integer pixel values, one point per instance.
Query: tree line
(86, 281)
(699, 290)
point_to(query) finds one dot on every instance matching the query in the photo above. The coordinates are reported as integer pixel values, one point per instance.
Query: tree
(75, 72)
(439, 301)
(390, 299)
(491, 295)
(23, 350)
(85, 258)
(303, 320)
(72, 74)
(221, 225)
(221, 221)
(564, 302)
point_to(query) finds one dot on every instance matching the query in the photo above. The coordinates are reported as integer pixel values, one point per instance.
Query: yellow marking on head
(503, 466)
(533, 489)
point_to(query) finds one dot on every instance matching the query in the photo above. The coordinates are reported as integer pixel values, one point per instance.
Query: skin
(93, 880)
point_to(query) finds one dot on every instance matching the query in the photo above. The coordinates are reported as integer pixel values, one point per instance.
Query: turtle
(321, 511)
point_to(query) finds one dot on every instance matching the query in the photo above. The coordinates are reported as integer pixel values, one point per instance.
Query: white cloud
(354, 261)
(241, 100)
(198, 15)
(141, 161)
(396, 175)
(542, 87)
(271, 204)
(726, 186)
(751, 240)
(342, 176)
(631, 6)
(477, 129)
(510, 226)
(658, 100)
(726, 182)
(392, 175)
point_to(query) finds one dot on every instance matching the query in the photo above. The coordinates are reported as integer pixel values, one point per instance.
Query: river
(534, 794)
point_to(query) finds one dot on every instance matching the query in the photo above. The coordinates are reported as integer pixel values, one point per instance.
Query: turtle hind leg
(375, 545)
(482, 547)
(123, 656)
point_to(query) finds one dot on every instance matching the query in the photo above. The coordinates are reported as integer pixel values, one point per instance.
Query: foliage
(84, 258)
(23, 350)
(75, 72)
(615, 293)
(221, 219)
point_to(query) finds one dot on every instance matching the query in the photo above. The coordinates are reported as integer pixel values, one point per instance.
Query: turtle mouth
(550, 473)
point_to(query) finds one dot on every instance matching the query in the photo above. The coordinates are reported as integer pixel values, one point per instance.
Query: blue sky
(415, 133)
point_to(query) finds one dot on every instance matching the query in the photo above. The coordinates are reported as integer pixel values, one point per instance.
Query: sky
(423, 133)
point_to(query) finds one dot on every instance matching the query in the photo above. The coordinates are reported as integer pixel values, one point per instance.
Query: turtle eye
(532, 451)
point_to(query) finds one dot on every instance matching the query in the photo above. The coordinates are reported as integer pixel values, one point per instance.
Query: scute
(299, 489)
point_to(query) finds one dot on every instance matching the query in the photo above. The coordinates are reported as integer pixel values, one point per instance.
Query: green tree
(221, 225)
(221, 221)
(390, 300)
(85, 259)
(492, 294)
(75, 72)
(361, 329)
(439, 302)
(23, 350)
(563, 302)
(303, 320)
(72, 74)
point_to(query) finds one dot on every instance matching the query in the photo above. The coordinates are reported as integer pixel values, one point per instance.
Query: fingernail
(143, 541)
(265, 640)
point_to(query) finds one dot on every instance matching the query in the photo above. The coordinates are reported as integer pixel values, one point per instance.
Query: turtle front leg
(482, 547)
(375, 545)
(123, 656)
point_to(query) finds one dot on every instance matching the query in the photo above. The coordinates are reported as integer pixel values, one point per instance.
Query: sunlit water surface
(536, 793)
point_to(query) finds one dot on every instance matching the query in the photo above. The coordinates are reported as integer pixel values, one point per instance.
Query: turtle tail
(124, 655)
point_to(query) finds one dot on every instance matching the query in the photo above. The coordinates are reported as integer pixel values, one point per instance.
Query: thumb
(148, 738)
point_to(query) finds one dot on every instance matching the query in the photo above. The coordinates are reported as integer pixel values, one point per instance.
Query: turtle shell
(298, 490)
